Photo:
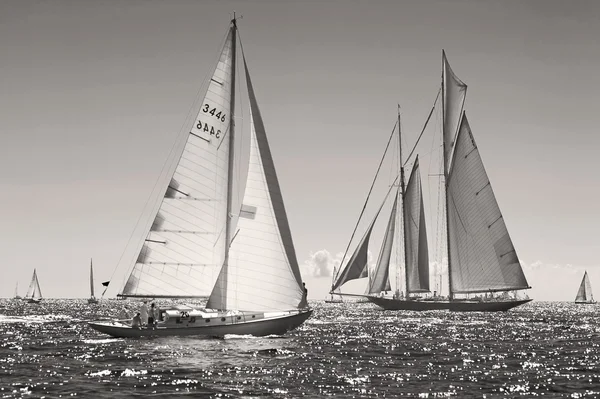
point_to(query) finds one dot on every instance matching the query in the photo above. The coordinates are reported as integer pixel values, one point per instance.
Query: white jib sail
(185, 247)
(262, 273)
(482, 255)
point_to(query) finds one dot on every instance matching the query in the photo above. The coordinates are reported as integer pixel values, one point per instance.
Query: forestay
(481, 251)
(185, 246)
(262, 272)
(417, 258)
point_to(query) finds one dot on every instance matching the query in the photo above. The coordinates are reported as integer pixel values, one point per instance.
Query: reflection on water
(347, 350)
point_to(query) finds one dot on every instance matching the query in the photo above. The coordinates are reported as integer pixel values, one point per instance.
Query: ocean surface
(548, 349)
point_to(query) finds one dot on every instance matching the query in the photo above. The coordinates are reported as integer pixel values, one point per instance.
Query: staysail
(185, 246)
(254, 278)
(585, 290)
(455, 92)
(417, 257)
(483, 256)
(380, 280)
(34, 291)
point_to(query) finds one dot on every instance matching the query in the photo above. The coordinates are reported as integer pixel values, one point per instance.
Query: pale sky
(93, 94)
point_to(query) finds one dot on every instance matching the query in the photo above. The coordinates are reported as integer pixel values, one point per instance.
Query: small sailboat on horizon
(221, 229)
(17, 296)
(92, 299)
(34, 292)
(584, 294)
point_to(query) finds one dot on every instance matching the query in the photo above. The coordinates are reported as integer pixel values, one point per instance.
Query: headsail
(262, 272)
(483, 256)
(185, 246)
(585, 290)
(417, 257)
(455, 92)
(357, 265)
(380, 280)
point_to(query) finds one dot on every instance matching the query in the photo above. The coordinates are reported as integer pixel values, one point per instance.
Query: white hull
(219, 324)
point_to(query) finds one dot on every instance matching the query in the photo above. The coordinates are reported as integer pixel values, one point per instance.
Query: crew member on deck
(144, 313)
(304, 301)
(136, 322)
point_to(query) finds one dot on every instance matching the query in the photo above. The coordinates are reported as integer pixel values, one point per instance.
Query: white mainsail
(584, 294)
(483, 256)
(262, 271)
(34, 291)
(185, 246)
(455, 92)
(417, 256)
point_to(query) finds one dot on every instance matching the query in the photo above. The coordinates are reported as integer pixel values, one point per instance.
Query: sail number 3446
(205, 127)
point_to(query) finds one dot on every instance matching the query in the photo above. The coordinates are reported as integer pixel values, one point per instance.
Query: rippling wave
(346, 350)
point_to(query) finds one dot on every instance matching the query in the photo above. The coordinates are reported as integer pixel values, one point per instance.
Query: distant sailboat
(92, 299)
(584, 295)
(34, 293)
(17, 296)
(334, 297)
(205, 241)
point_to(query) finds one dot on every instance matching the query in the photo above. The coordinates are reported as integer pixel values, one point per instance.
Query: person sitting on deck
(123, 314)
(136, 322)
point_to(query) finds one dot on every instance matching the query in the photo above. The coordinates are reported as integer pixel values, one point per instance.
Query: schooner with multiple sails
(481, 257)
(221, 229)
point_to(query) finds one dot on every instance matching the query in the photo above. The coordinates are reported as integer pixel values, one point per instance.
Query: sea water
(343, 350)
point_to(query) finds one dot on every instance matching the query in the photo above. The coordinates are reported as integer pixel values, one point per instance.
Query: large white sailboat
(584, 294)
(34, 292)
(205, 241)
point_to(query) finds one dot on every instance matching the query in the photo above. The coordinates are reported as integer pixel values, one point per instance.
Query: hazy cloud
(321, 264)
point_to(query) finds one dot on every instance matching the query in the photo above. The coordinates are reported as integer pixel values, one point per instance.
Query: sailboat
(34, 292)
(584, 294)
(17, 296)
(481, 257)
(334, 297)
(201, 229)
(92, 299)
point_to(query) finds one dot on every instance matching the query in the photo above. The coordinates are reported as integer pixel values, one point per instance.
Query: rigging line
(425, 126)
(179, 134)
(366, 201)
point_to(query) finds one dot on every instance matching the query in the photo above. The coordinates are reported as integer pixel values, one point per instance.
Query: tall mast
(446, 156)
(231, 151)
(402, 195)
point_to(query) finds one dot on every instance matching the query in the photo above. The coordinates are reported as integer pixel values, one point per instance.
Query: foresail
(482, 255)
(185, 246)
(357, 265)
(455, 92)
(417, 255)
(262, 272)
(380, 281)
